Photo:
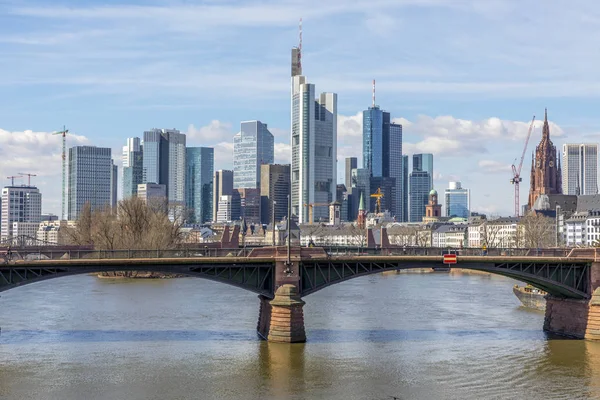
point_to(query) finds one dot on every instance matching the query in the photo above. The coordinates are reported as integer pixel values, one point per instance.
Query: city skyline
(442, 111)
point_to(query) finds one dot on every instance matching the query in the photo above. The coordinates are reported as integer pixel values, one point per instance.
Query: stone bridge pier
(281, 319)
(576, 318)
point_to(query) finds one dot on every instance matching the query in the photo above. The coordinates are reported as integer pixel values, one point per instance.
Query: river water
(412, 336)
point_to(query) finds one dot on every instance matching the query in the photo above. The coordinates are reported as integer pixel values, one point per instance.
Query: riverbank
(138, 275)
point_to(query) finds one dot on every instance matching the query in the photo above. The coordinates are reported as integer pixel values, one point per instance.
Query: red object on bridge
(449, 258)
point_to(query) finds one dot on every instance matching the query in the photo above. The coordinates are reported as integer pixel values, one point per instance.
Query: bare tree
(358, 236)
(537, 231)
(490, 234)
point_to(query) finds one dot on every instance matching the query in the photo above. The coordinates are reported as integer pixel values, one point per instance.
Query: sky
(463, 77)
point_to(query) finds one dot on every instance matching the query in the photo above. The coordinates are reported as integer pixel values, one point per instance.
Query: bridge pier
(287, 318)
(576, 318)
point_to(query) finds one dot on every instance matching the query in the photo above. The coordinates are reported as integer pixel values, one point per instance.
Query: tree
(537, 231)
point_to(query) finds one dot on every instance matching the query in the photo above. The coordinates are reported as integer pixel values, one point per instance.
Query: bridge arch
(254, 277)
(562, 279)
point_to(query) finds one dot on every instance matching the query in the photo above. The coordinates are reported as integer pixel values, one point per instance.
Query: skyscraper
(458, 201)
(133, 144)
(114, 184)
(164, 161)
(546, 175)
(222, 186)
(133, 173)
(404, 194)
(253, 146)
(199, 183)
(420, 184)
(580, 169)
(20, 204)
(314, 146)
(90, 172)
(351, 163)
(424, 162)
(274, 189)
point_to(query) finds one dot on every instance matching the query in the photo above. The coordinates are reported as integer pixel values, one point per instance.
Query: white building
(458, 201)
(133, 144)
(224, 214)
(52, 232)
(580, 169)
(576, 230)
(19, 204)
(498, 233)
(314, 146)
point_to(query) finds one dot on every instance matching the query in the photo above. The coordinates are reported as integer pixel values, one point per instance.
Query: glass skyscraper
(133, 173)
(404, 192)
(420, 185)
(253, 146)
(580, 169)
(90, 178)
(424, 162)
(458, 201)
(314, 147)
(199, 183)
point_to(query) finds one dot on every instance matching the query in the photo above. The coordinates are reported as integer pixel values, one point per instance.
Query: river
(412, 336)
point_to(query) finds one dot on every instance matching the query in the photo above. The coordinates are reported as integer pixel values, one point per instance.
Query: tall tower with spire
(546, 174)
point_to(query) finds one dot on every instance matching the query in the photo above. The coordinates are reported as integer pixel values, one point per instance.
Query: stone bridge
(281, 280)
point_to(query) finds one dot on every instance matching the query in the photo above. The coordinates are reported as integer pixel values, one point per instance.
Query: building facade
(225, 213)
(546, 174)
(253, 146)
(149, 191)
(20, 204)
(580, 169)
(314, 146)
(114, 185)
(275, 186)
(133, 167)
(90, 176)
(458, 201)
(249, 200)
(424, 162)
(222, 186)
(351, 163)
(420, 186)
(199, 185)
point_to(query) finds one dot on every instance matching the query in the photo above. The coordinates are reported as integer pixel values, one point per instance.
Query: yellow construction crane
(378, 195)
(310, 210)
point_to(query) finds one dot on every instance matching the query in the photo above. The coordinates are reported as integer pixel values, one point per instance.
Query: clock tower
(546, 174)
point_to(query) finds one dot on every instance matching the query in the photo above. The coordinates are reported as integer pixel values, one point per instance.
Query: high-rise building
(164, 162)
(225, 214)
(133, 167)
(253, 146)
(199, 186)
(424, 162)
(114, 185)
(20, 204)
(404, 216)
(90, 176)
(249, 200)
(314, 146)
(351, 163)
(420, 183)
(148, 191)
(382, 152)
(580, 169)
(546, 174)
(274, 189)
(222, 186)
(458, 201)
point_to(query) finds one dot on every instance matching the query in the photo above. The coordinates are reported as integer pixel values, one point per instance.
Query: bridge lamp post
(557, 223)
(273, 219)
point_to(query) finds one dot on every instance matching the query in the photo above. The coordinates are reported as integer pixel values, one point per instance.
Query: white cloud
(283, 153)
(493, 167)
(349, 126)
(213, 132)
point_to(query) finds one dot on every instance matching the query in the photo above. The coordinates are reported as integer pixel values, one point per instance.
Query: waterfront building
(274, 189)
(222, 186)
(546, 174)
(164, 154)
(580, 169)
(351, 163)
(253, 146)
(314, 146)
(199, 183)
(90, 176)
(133, 167)
(19, 204)
(420, 184)
(458, 201)
(53, 232)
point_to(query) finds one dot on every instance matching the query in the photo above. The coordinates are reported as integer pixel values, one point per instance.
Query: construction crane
(378, 195)
(28, 177)
(12, 179)
(64, 166)
(310, 210)
(516, 179)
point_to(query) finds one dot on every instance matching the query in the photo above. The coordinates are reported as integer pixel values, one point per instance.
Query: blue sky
(463, 76)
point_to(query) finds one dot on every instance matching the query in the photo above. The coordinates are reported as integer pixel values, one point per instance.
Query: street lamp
(273, 218)
(557, 224)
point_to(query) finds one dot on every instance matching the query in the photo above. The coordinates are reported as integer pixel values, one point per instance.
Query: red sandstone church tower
(546, 174)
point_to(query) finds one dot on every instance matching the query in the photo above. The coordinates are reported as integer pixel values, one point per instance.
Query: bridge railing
(438, 251)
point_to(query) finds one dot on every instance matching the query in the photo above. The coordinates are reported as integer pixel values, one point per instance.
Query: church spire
(546, 129)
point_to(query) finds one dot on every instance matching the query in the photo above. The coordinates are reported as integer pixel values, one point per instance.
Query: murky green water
(413, 336)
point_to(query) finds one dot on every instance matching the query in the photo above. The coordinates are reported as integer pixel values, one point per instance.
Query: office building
(90, 176)
(151, 193)
(224, 215)
(253, 146)
(274, 188)
(314, 146)
(424, 162)
(164, 162)
(20, 204)
(114, 185)
(249, 205)
(405, 191)
(458, 201)
(420, 184)
(222, 186)
(133, 167)
(351, 163)
(200, 163)
(580, 169)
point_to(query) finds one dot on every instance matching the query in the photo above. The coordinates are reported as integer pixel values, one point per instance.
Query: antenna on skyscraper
(300, 45)
(373, 93)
